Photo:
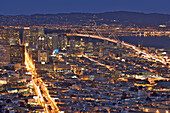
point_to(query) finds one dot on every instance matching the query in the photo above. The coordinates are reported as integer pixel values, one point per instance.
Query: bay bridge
(111, 37)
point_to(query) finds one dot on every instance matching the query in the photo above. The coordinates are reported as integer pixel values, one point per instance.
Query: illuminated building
(10, 35)
(13, 35)
(106, 50)
(4, 54)
(77, 45)
(98, 46)
(82, 45)
(26, 35)
(43, 56)
(3, 35)
(100, 53)
(55, 39)
(62, 42)
(30, 36)
(12, 41)
(40, 31)
(50, 41)
(33, 37)
(72, 44)
(90, 46)
(44, 67)
(42, 43)
(53, 58)
(59, 41)
(3, 81)
(65, 42)
(17, 54)
(34, 54)
(62, 67)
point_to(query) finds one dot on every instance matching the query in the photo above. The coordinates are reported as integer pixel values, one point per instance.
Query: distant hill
(119, 17)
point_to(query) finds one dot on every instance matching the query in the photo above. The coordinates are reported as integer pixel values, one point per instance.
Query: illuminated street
(40, 87)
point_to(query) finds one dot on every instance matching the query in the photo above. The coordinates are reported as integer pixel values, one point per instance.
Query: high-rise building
(17, 54)
(55, 41)
(53, 59)
(42, 43)
(90, 46)
(58, 41)
(82, 45)
(40, 31)
(30, 37)
(4, 54)
(3, 35)
(72, 44)
(43, 56)
(13, 35)
(50, 41)
(33, 37)
(26, 35)
(62, 42)
(34, 55)
(10, 35)
(65, 43)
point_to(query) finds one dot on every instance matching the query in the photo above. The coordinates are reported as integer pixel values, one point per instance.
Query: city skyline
(20, 7)
(88, 56)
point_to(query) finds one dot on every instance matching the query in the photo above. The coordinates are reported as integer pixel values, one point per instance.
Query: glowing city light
(157, 111)
(146, 110)
(31, 67)
(166, 111)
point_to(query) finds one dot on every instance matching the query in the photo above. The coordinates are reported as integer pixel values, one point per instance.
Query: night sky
(16, 7)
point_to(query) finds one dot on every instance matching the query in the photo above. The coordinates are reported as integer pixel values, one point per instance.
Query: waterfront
(150, 41)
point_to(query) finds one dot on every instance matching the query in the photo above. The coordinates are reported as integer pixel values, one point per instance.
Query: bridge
(116, 40)
(40, 89)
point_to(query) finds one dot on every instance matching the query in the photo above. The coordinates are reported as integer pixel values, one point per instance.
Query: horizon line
(74, 12)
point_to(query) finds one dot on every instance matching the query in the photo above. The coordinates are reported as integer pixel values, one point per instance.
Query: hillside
(119, 17)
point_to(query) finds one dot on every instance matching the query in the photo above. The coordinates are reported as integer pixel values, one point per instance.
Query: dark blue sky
(14, 7)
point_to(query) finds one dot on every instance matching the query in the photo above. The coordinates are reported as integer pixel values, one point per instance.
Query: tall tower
(26, 36)
(55, 41)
